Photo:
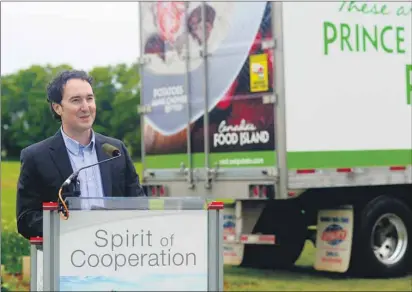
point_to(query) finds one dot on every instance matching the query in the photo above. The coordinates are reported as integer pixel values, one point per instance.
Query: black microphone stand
(69, 191)
(73, 186)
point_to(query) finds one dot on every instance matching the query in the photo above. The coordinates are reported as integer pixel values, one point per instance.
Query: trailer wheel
(287, 223)
(382, 239)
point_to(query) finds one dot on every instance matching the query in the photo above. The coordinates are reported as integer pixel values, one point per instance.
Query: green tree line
(26, 117)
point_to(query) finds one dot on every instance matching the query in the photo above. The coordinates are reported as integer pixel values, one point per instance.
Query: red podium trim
(216, 205)
(36, 240)
(50, 206)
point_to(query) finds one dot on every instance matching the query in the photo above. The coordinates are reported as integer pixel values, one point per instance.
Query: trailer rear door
(206, 93)
(240, 140)
(165, 93)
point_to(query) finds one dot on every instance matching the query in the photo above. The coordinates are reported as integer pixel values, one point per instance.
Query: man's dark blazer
(46, 165)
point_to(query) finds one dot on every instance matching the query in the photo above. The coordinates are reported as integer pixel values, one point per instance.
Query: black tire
(287, 223)
(364, 262)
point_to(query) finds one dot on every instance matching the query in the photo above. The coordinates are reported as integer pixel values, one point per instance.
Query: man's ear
(57, 108)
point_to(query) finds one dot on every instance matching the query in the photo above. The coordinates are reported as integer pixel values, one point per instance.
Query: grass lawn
(9, 176)
(306, 279)
(302, 278)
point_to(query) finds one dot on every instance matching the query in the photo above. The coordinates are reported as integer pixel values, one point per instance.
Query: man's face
(78, 107)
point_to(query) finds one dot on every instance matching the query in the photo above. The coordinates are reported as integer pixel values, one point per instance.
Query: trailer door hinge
(143, 60)
(144, 109)
(269, 98)
(269, 44)
(271, 172)
(185, 54)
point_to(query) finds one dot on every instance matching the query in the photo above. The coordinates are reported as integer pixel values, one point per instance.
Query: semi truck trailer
(298, 116)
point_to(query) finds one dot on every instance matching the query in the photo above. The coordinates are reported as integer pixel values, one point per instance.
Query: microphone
(110, 150)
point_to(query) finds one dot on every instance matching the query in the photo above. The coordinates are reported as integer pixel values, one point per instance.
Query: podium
(130, 244)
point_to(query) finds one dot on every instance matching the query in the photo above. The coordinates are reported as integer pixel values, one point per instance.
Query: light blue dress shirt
(90, 179)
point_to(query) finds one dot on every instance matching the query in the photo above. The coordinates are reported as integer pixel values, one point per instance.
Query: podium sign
(134, 244)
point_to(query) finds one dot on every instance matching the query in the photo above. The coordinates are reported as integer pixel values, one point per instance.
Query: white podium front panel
(133, 244)
(134, 251)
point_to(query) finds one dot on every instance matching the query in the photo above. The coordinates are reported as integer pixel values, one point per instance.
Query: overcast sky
(83, 35)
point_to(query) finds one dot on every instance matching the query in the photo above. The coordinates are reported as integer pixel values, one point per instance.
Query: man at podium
(49, 164)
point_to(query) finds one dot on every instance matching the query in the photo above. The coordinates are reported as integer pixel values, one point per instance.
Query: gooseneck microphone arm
(109, 150)
(75, 174)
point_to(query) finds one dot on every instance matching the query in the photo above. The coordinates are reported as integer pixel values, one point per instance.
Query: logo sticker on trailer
(334, 234)
(259, 79)
(229, 224)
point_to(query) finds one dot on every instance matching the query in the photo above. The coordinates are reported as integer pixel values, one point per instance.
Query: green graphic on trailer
(296, 160)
